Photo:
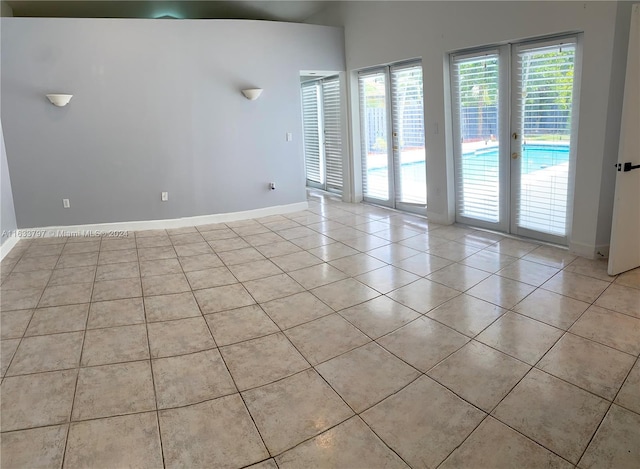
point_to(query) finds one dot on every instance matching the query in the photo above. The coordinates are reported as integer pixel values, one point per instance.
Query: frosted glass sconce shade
(60, 100)
(252, 94)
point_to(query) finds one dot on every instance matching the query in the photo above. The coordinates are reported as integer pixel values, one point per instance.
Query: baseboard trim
(7, 246)
(599, 251)
(104, 228)
(439, 218)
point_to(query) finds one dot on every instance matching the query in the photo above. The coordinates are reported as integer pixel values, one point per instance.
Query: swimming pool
(534, 157)
(480, 165)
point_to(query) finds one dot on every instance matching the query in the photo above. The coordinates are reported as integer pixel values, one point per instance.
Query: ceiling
(273, 10)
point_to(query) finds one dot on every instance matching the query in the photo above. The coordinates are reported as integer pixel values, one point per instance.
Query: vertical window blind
(475, 81)
(311, 129)
(408, 133)
(544, 99)
(373, 133)
(332, 132)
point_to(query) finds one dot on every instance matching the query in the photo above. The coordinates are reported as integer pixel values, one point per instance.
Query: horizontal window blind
(408, 133)
(332, 132)
(373, 132)
(310, 121)
(544, 99)
(475, 83)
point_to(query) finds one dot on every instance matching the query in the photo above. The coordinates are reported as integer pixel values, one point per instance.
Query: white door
(392, 132)
(542, 146)
(624, 253)
(513, 108)
(480, 96)
(322, 133)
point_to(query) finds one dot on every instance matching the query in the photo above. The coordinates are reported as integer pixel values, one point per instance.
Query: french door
(322, 133)
(392, 137)
(514, 133)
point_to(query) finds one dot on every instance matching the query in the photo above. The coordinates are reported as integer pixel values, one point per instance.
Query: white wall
(384, 32)
(157, 107)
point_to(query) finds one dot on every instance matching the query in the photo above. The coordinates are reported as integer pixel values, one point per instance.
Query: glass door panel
(541, 142)
(476, 85)
(313, 151)
(332, 132)
(322, 125)
(374, 137)
(408, 136)
(523, 187)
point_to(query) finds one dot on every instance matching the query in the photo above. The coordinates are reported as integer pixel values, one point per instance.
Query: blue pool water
(534, 157)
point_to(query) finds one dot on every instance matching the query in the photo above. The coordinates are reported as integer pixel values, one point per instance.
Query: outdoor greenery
(541, 72)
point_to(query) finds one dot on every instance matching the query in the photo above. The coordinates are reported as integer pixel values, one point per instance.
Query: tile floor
(344, 336)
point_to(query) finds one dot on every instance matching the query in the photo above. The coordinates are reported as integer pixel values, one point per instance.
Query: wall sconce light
(60, 100)
(252, 94)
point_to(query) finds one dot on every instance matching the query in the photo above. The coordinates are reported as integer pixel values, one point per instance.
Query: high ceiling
(274, 10)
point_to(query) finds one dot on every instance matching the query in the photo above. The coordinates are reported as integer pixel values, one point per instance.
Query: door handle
(626, 167)
(514, 156)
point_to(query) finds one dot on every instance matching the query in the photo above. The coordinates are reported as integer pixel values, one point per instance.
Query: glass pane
(408, 135)
(545, 103)
(373, 118)
(332, 132)
(310, 123)
(477, 163)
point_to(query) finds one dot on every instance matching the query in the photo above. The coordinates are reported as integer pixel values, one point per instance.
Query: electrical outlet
(164, 196)
(65, 203)
(289, 136)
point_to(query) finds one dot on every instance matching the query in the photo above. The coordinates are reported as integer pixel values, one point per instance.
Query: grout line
(75, 389)
(153, 381)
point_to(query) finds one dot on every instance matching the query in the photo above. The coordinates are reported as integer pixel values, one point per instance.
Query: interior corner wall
(379, 33)
(7, 212)
(156, 107)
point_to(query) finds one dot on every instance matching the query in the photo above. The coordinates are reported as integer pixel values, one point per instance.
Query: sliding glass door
(512, 108)
(321, 118)
(392, 133)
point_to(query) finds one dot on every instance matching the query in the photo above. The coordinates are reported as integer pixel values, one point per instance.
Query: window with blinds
(322, 126)
(475, 82)
(544, 101)
(311, 129)
(332, 132)
(408, 133)
(373, 132)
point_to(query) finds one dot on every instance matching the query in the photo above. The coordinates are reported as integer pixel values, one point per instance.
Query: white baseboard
(599, 251)
(105, 228)
(439, 218)
(7, 246)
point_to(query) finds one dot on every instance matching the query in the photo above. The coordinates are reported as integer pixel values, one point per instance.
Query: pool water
(534, 157)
